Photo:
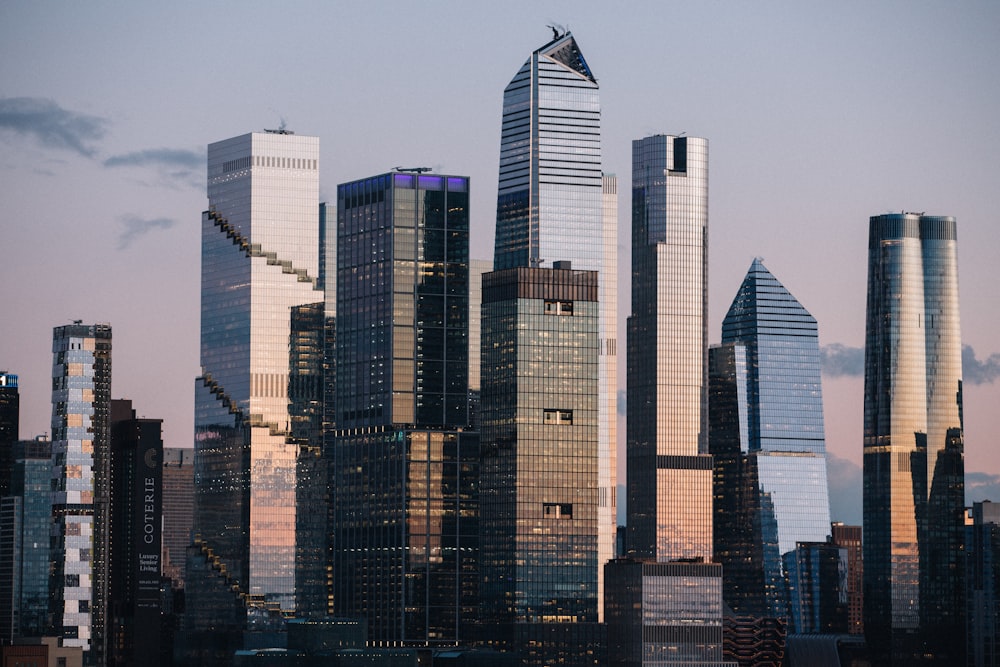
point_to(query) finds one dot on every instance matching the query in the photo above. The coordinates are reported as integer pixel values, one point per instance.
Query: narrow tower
(81, 479)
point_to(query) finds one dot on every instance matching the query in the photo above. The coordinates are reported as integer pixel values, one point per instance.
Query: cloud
(158, 157)
(844, 480)
(840, 360)
(979, 372)
(135, 227)
(50, 124)
(980, 486)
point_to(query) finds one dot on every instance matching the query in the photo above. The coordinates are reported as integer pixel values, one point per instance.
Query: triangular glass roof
(565, 51)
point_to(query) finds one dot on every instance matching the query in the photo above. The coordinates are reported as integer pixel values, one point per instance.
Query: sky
(818, 115)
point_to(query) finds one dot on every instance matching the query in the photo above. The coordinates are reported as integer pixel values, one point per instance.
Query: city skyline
(127, 169)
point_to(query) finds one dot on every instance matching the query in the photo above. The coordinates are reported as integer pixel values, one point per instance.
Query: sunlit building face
(913, 422)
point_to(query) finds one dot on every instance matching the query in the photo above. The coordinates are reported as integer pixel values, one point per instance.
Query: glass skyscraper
(768, 439)
(549, 193)
(555, 204)
(10, 411)
(405, 469)
(913, 475)
(25, 522)
(260, 261)
(669, 469)
(539, 470)
(81, 478)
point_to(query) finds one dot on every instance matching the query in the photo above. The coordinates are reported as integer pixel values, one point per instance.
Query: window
(557, 510)
(554, 307)
(553, 416)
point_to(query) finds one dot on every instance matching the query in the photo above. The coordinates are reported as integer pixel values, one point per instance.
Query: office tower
(25, 518)
(664, 614)
(816, 577)
(982, 571)
(10, 412)
(404, 475)
(555, 204)
(80, 483)
(260, 262)
(912, 439)
(539, 465)
(849, 537)
(178, 510)
(669, 469)
(767, 437)
(549, 192)
(134, 601)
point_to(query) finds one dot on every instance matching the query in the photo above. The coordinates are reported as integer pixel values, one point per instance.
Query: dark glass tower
(405, 533)
(539, 470)
(767, 437)
(913, 471)
(10, 415)
(134, 601)
(25, 521)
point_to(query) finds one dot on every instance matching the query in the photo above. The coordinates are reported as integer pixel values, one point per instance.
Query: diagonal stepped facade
(260, 262)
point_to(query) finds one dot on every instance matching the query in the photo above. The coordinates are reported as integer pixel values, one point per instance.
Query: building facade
(135, 610)
(664, 614)
(669, 469)
(260, 260)
(982, 576)
(25, 521)
(849, 538)
(10, 416)
(403, 481)
(178, 511)
(554, 203)
(540, 465)
(80, 483)
(768, 441)
(912, 439)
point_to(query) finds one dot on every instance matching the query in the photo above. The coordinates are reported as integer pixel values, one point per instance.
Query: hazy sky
(818, 116)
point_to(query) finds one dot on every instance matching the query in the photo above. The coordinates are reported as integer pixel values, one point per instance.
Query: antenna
(413, 170)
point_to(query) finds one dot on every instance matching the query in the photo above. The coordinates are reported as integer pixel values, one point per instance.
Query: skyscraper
(134, 601)
(404, 475)
(81, 477)
(669, 469)
(774, 478)
(849, 538)
(539, 471)
(549, 193)
(25, 521)
(10, 411)
(555, 204)
(260, 261)
(912, 438)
